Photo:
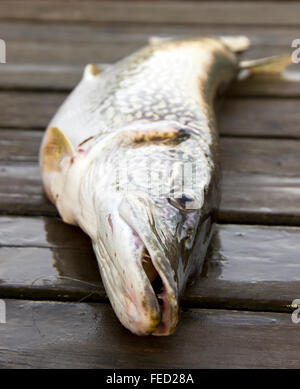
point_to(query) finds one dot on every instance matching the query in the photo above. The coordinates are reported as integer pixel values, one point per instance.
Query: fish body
(132, 158)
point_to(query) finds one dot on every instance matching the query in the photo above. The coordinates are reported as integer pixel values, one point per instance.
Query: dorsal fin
(91, 72)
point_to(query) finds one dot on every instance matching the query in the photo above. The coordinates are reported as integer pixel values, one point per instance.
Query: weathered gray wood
(90, 52)
(259, 117)
(272, 157)
(247, 267)
(80, 43)
(21, 192)
(239, 154)
(242, 117)
(17, 145)
(124, 33)
(40, 77)
(204, 12)
(260, 178)
(28, 110)
(65, 77)
(81, 53)
(65, 335)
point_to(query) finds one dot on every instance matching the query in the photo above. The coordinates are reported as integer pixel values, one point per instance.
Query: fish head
(145, 244)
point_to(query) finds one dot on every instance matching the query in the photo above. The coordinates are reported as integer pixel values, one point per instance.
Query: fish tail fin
(271, 65)
(236, 43)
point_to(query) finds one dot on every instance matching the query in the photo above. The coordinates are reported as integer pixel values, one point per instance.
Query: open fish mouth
(162, 292)
(140, 293)
(165, 295)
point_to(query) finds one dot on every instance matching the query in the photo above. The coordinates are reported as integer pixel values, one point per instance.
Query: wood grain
(57, 52)
(63, 78)
(204, 12)
(247, 267)
(260, 178)
(65, 335)
(265, 117)
(82, 43)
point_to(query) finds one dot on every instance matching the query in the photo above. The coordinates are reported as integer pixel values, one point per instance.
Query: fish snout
(138, 290)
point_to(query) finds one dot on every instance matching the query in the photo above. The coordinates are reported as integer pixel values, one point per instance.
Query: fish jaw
(165, 284)
(130, 294)
(140, 306)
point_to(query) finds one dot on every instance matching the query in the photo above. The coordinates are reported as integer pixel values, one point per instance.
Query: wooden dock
(238, 313)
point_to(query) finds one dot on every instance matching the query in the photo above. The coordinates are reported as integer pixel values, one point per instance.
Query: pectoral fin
(55, 148)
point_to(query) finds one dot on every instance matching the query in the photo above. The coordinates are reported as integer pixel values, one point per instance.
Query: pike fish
(131, 157)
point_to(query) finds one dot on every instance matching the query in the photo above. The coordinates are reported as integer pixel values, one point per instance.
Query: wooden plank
(286, 86)
(247, 267)
(64, 335)
(28, 110)
(19, 145)
(40, 77)
(123, 33)
(260, 179)
(53, 52)
(49, 259)
(21, 191)
(64, 53)
(279, 157)
(259, 117)
(126, 34)
(65, 77)
(239, 154)
(78, 44)
(264, 117)
(204, 12)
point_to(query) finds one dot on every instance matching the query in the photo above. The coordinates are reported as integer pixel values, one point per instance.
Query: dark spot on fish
(144, 305)
(86, 140)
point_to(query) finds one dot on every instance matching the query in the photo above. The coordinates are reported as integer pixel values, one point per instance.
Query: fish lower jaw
(155, 322)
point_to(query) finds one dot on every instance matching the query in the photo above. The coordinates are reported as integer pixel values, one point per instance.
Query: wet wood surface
(87, 335)
(54, 260)
(57, 310)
